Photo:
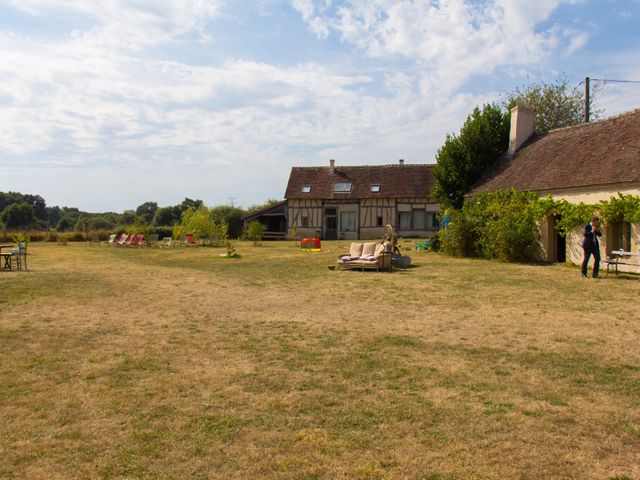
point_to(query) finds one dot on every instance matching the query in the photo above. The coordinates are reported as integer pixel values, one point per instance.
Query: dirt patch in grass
(178, 363)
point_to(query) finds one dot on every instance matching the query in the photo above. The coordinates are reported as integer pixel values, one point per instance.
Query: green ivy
(505, 224)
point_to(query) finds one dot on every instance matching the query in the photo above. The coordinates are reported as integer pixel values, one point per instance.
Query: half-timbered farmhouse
(356, 202)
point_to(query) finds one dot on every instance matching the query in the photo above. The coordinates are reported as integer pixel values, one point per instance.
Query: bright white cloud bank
(115, 96)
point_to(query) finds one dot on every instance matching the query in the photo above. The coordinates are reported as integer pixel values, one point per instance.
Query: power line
(614, 81)
(586, 82)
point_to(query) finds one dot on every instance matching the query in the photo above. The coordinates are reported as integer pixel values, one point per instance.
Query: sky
(105, 105)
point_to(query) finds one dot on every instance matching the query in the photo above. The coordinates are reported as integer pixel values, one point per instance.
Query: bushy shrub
(501, 225)
(202, 224)
(434, 242)
(255, 231)
(459, 238)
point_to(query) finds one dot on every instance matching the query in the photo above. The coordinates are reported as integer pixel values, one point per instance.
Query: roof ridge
(370, 166)
(596, 122)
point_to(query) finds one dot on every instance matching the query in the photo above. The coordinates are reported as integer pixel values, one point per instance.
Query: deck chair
(166, 242)
(214, 241)
(137, 240)
(112, 239)
(152, 240)
(129, 240)
(190, 241)
(121, 241)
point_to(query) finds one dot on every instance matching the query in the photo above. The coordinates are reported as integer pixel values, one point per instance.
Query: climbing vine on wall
(504, 224)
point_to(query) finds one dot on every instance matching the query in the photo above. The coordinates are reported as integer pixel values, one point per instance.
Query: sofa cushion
(379, 249)
(368, 249)
(355, 250)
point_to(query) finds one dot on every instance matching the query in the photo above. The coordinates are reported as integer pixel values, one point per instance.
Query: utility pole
(232, 199)
(586, 100)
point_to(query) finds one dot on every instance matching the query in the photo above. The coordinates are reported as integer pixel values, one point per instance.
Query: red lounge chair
(129, 240)
(137, 241)
(190, 241)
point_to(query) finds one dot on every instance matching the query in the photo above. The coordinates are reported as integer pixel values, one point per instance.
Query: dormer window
(341, 187)
(306, 189)
(375, 187)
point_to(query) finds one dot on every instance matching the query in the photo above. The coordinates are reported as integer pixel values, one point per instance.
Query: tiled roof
(394, 180)
(602, 153)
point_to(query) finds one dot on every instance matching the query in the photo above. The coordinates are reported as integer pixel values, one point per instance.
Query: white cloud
(450, 41)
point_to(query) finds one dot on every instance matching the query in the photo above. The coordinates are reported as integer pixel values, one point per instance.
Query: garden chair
(121, 241)
(20, 253)
(152, 240)
(424, 245)
(112, 239)
(214, 241)
(138, 239)
(166, 242)
(187, 241)
(130, 240)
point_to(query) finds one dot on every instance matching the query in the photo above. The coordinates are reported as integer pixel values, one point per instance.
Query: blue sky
(105, 105)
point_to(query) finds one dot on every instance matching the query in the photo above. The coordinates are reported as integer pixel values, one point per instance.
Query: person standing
(591, 246)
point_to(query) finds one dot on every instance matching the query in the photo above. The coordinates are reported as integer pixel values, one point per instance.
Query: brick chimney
(523, 122)
(401, 161)
(332, 164)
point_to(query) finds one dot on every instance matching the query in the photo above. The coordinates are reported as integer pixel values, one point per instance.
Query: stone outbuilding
(583, 163)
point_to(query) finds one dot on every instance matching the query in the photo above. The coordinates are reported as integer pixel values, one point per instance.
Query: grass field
(176, 364)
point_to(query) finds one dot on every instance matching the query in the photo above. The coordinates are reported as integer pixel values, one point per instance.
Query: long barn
(356, 202)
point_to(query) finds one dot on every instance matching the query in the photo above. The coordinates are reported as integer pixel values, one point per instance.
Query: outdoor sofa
(365, 256)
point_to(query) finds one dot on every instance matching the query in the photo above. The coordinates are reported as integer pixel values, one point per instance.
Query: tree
(201, 223)
(65, 224)
(255, 231)
(18, 215)
(463, 159)
(38, 203)
(232, 216)
(269, 203)
(147, 210)
(557, 105)
(167, 216)
(128, 217)
(189, 204)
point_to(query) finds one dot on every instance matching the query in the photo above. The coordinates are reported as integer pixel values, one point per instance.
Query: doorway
(330, 224)
(560, 242)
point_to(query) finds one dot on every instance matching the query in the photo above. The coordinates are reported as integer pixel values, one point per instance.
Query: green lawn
(179, 363)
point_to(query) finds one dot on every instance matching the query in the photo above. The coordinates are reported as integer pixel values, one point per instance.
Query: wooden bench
(274, 236)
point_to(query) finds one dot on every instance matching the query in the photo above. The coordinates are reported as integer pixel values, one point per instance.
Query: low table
(5, 258)
(617, 255)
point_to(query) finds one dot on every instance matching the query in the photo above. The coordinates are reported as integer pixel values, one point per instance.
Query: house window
(375, 188)
(306, 189)
(404, 220)
(380, 221)
(621, 236)
(305, 222)
(419, 219)
(341, 187)
(348, 221)
(413, 220)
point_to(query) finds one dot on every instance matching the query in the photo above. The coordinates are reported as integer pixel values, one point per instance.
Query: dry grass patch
(150, 363)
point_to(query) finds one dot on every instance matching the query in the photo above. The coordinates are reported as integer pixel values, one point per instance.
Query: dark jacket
(590, 238)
